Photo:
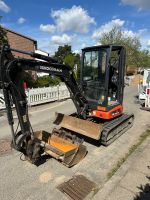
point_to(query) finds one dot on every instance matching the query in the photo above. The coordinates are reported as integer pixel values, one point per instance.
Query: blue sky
(79, 23)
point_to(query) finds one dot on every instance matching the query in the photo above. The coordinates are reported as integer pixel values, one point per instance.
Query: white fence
(37, 96)
(47, 94)
(2, 102)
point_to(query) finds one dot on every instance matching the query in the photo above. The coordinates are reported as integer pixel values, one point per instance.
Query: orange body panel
(114, 112)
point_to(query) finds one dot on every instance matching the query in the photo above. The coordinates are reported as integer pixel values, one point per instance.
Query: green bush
(44, 81)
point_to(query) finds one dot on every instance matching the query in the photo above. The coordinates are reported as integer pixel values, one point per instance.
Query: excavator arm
(99, 113)
(11, 81)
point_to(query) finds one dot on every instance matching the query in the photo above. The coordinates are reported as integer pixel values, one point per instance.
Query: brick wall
(17, 41)
(21, 42)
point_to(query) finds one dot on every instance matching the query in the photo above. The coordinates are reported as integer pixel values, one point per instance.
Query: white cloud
(97, 43)
(50, 28)
(83, 45)
(148, 43)
(142, 31)
(74, 19)
(140, 4)
(21, 20)
(46, 45)
(142, 34)
(129, 33)
(76, 51)
(61, 40)
(107, 27)
(4, 7)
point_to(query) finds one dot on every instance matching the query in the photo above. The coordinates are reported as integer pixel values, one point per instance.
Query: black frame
(121, 70)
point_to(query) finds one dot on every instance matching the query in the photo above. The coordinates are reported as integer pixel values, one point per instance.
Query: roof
(35, 42)
(114, 47)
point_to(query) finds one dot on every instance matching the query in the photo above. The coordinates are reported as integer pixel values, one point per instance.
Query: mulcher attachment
(62, 146)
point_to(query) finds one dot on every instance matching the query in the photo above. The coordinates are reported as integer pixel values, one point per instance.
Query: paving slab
(132, 178)
(120, 193)
(143, 165)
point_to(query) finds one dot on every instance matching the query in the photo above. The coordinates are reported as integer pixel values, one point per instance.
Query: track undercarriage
(106, 132)
(100, 92)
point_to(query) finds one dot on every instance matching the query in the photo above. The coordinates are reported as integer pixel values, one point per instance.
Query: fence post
(58, 91)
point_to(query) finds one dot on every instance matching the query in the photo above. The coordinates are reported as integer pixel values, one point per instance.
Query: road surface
(22, 180)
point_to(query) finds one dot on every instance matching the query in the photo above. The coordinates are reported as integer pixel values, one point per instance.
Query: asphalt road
(22, 180)
(41, 117)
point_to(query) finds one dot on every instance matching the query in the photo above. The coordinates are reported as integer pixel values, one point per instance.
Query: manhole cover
(5, 146)
(78, 187)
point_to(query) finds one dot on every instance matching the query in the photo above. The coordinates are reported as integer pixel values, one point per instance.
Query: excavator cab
(100, 96)
(102, 79)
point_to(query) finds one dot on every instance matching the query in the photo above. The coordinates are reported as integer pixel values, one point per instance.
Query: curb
(113, 182)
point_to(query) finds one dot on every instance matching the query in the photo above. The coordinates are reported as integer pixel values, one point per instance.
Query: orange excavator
(98, 98)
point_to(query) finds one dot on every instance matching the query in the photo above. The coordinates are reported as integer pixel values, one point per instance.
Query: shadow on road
(42, 160)
(144, 193)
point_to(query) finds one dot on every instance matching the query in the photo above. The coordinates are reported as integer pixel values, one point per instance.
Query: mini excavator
(98, 98)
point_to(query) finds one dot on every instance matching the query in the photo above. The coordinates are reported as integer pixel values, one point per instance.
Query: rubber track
(112, 130)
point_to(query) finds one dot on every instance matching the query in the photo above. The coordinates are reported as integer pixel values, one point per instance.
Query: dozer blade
(80, 126)
(61, 148)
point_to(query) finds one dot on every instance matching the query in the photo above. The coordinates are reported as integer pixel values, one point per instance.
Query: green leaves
(3, 36)
(144, 59)
(65, 55)
(62, 52)
(44, 81)
(134, 55)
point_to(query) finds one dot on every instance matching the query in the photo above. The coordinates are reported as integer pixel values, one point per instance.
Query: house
(40, 74)
(21, 42)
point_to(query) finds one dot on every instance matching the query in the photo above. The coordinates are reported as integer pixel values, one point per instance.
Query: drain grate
(5, 146)
(78, 187)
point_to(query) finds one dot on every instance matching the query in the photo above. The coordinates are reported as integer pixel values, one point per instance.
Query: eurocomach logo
(50, 69)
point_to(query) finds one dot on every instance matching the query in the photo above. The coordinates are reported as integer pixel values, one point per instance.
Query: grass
(131, 150)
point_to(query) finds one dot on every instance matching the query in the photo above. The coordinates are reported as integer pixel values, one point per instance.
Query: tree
(144, 59)
(65, 55)
(131, 43)
(62, 52)
(29, 80)
(44, 81)
(73, 60)
(70, 60)
(3, 36)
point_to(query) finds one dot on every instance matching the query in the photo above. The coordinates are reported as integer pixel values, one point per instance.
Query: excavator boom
(98, 102)
(60, 144)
